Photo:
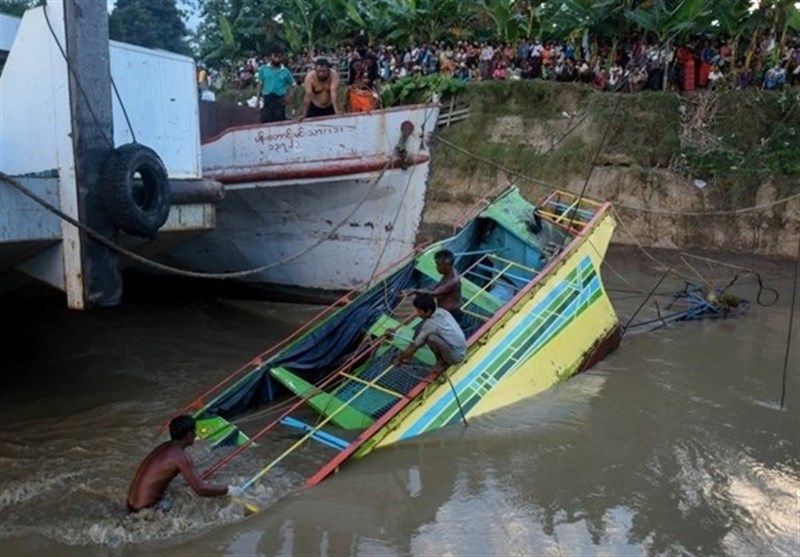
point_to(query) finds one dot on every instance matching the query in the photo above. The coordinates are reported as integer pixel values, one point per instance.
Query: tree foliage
(314, 25)
(233, 29)
(15, 7)
(149, 23)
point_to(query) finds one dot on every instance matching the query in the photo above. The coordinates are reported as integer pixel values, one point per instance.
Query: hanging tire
(135, 190)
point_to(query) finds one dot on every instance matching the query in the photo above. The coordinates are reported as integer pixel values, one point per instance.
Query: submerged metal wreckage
(694, 302)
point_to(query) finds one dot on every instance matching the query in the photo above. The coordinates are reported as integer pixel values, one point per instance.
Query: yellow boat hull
(562, 325)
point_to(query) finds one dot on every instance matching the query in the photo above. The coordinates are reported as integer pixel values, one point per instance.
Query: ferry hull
(315, 211)
(317, 236)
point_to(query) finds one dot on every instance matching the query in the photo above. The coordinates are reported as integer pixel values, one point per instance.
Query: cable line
(183, 272)
(791, 323)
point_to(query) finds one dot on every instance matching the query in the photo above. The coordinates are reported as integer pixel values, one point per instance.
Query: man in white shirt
(440, 332)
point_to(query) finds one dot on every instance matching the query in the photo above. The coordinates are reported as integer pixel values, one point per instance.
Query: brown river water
(673, 445)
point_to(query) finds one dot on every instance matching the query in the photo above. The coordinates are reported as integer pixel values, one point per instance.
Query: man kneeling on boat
(165, 462)
(440, 332)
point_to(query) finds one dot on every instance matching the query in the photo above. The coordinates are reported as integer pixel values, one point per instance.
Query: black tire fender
(135, 190)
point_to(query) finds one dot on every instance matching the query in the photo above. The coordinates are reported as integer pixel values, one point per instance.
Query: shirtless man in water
(165, 462)
(448, 290)
(321, 86)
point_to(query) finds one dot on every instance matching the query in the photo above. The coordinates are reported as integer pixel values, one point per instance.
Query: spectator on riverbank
(364, 80)
(775, 77)
(629, 65)
(275, 81)
(321, 87)
(715, 76)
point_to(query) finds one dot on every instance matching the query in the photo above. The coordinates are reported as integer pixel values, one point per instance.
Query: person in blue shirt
(275, 81)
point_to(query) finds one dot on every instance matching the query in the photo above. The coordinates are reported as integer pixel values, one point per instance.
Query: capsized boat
(535, 313)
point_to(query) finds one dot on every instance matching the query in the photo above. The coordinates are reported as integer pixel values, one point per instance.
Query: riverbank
(682, 170)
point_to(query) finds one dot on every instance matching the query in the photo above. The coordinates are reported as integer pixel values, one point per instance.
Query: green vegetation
(308, 25)
(753, 136)
(231, 30)
(420, 89)
(15, 7)
(643, 126)
(757, 139)
(149, 23)
(642, 129)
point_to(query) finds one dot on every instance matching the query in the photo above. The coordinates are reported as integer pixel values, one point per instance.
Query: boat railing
(365, 387)
(310, 434)
(569, 210)
(497, 268)
(294, 405)
(335, 379)
(210, 396)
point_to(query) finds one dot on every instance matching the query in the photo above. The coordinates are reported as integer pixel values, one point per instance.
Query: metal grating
(379, 369)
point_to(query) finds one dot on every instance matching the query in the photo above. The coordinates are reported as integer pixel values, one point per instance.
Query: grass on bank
(570, 119)
(756, 136)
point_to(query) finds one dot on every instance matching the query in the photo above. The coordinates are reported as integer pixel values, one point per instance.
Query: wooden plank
(325, 403)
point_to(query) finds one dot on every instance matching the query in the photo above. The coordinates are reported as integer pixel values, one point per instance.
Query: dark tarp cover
(321, 351)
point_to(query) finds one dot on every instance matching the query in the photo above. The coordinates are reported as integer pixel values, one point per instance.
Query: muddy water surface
(675, 444)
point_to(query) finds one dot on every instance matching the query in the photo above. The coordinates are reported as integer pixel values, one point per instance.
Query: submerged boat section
(534, 313)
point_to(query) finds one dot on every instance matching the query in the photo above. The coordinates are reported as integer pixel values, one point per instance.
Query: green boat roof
(512, 212)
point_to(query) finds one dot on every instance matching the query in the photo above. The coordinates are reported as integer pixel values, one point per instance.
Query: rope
(131, 255)
(652, 290)
(71, 71)
(642, 248)
(399, 205)
(592, 164)
(83, 91)
(174, 270)
(709, 213)
(761, 287)
(490, 163)
(124, 110)
(791, 323)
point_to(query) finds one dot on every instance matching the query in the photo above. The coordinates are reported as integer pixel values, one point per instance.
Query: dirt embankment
(682, 171)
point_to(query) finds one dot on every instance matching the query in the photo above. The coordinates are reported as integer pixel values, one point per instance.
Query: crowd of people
(320, 85)
(629, 66)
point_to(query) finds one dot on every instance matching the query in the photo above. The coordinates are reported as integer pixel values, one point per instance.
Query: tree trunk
(735, 48)
(585, 43)
(751, 49)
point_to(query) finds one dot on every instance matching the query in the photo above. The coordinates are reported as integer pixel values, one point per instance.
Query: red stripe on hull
(280, 173)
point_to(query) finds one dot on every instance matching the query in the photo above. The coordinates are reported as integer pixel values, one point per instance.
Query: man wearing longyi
(165, 462)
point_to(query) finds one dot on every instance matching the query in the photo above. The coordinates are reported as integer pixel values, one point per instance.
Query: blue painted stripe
(472, 384)
(540, 340)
